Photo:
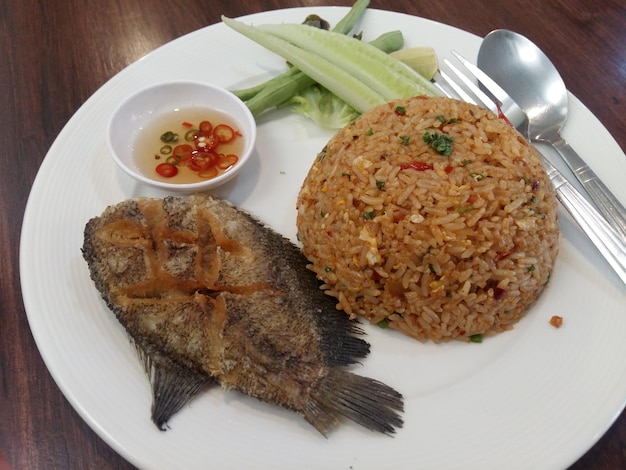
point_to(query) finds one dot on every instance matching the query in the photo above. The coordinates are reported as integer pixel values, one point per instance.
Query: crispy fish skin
(209, 294)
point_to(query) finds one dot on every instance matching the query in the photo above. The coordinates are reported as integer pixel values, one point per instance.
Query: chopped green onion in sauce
(191, 134)
(169, 136)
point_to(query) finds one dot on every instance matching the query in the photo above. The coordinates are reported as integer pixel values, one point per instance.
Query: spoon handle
(605, 201)
(606, 239)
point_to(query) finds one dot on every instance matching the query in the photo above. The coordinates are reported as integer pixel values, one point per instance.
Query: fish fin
(173, 386)
(351, 348)
(365, 401)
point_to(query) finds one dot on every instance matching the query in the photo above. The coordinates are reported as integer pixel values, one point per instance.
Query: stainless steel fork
(609, 242)
(608, 205)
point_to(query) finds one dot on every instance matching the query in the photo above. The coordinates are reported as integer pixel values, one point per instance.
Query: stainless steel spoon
(529, 77)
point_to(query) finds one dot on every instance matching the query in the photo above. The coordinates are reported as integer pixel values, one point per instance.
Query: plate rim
(25, 237)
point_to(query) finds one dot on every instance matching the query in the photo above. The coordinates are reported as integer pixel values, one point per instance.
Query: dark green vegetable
(463, 209)
(321, 106)
(476, 338)
(351, 75)
(280, 90)
(443, 120)
(442, 143)
(317, 22)
(169, 136)
(280, 86)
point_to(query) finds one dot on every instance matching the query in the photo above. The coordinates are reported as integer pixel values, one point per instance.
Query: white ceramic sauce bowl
(140, 109)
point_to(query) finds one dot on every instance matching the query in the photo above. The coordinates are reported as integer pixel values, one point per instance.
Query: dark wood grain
(55, 54)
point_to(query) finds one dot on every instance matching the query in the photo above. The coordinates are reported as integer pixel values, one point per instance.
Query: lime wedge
(421, 59)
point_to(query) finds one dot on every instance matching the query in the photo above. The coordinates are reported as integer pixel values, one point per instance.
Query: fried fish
(210, 295)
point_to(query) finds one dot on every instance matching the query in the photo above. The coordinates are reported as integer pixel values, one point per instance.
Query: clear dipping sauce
(188, 145)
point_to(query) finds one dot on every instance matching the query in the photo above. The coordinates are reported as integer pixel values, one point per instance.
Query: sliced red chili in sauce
(182, 152)
(167, 170)
(210, 172)
(202, 160)
(224, 133)
(206, 127)
(201, 155)
(226, 161)
(207, 142)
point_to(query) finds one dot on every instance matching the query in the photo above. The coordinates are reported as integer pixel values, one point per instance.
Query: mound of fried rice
(431, 216)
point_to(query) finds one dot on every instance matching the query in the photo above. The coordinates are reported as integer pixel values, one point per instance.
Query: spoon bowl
(529, 77)
(533, 82)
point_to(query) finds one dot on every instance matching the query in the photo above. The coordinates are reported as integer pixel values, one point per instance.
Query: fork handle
(606, 239)
(600, 195)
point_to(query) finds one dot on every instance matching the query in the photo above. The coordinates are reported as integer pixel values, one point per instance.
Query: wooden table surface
(55, 54)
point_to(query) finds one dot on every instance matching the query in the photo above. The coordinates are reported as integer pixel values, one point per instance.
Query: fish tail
(366, 401)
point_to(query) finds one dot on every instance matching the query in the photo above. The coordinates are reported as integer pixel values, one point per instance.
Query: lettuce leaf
(323, 107)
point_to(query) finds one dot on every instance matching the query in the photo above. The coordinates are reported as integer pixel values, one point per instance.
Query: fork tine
(456, 88)
(484, 100)
(495, 98)
(601, 233)
(493, 88)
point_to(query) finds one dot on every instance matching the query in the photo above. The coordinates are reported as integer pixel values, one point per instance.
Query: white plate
(535, 397)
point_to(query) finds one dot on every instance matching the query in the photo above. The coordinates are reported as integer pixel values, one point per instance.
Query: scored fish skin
(209, 294)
